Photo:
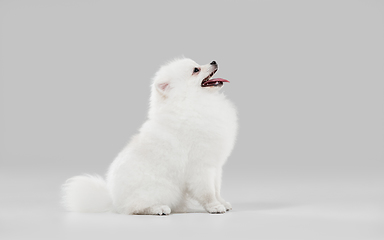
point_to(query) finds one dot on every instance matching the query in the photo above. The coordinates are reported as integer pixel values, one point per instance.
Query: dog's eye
(196, 70)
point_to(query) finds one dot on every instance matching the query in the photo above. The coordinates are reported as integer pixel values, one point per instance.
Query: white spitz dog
(177, 155)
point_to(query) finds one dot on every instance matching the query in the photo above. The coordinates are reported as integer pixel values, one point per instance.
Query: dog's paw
(161, 210)
(227, 206)
(155, 210)
(217, 209)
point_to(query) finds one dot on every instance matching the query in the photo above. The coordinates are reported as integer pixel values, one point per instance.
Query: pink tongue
(216, 80)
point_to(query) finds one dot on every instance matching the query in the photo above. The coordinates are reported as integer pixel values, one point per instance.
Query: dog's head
(183, 76)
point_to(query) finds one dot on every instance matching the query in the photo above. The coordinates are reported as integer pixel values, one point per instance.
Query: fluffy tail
(86, 193)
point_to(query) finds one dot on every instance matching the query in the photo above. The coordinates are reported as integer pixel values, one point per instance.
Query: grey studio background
(307, 78)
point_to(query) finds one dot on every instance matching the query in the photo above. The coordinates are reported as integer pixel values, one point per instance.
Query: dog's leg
(202, 188)
(227, 205)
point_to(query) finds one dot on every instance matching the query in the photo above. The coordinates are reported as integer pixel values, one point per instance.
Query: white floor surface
(336, 209)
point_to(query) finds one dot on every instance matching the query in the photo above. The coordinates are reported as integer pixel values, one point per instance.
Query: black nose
(213, 63)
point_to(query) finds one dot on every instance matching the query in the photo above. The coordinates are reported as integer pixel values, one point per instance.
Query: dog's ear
(163, 88)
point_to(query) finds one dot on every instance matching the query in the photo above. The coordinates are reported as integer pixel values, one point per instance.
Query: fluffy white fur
(178, 153)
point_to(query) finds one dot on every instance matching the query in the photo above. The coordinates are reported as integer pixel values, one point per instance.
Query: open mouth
(214, 82)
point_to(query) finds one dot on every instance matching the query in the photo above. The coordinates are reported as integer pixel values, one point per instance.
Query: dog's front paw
(217, 209)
